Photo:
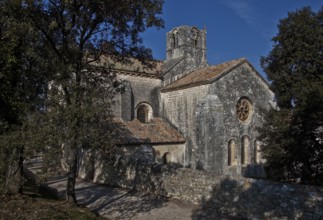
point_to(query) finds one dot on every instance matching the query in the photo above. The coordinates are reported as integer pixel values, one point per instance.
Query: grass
(35, 204)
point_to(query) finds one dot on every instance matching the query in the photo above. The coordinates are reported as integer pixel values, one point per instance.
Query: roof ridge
(195, 81)
(138, 73)
(180, 59)
(229, 69)
(158, 131)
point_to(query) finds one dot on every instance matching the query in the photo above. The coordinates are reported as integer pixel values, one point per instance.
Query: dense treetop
(47, 49)
(294, 133)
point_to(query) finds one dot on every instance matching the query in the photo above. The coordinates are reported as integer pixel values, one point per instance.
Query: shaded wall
(242, 82)
(209, 134)
(239, 197)
(179, 109)
(169, 154)
(207, 116)
(137, 90)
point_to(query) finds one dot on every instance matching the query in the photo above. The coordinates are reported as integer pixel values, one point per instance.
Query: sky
(235, 28)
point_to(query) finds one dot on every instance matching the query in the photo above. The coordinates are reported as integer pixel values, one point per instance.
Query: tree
(293, 134)
(22, 78)
(80, 94)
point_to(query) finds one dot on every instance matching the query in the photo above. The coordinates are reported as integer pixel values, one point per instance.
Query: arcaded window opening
(195, 36)
(232, 153)
(257, 152)
(245, 146)
(144, 112)
(167, 158)
(175, 38)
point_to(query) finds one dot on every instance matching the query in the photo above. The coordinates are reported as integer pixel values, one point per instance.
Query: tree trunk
(71, 178)
(14, 175)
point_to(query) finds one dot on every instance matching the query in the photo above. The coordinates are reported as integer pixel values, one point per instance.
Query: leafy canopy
(23, 64)
(294, 134)
(75, 95)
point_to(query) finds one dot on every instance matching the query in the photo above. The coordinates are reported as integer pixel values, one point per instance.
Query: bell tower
(185, 52)
(185, 40)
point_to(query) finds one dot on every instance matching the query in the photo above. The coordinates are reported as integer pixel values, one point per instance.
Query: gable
(210, 74)
(203, 76)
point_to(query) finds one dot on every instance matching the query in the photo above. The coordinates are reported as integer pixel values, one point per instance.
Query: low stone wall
(240, 197)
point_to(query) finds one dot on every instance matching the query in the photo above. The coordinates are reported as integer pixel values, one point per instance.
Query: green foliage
(53, 97)
(37, 203)
(80, 94)
(293, 134)
(22, 78)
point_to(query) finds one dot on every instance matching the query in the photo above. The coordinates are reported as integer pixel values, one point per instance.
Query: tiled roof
(205, 75)
(157, 131)
(169, 64)
(132, 66)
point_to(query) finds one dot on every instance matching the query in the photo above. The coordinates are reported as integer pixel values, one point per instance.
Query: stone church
(187, 112)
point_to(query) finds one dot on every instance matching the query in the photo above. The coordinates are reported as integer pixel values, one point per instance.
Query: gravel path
(116, 203)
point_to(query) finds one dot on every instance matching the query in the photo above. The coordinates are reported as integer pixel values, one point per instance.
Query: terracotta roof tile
(205, 75)
(132, 66)
(156, 131)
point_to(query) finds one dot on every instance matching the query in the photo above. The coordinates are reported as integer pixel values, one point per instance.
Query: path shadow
(259, 199)
(104, 199)
(116, 202)
(107, 200)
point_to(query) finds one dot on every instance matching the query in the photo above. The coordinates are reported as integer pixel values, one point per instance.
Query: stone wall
(207, 116)
(159, 153)
(185, 52)
(137, 90)
(242, 82)
(169, 154)
(179, 109)
(239, 197)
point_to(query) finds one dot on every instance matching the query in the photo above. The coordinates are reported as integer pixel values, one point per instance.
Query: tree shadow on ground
(107, 200)
(258, 199)
(115, 202)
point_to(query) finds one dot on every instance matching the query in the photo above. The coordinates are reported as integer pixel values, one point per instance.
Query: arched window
(257, 152)
(144, 112)
(195, 36)
(232, 153)
(167, 158)
(175, 38)
(245, 146)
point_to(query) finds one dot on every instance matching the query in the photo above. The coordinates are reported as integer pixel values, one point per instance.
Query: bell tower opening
(174, 38)
(195, 36)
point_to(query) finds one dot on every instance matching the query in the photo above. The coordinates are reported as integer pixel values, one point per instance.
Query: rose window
(243, 109)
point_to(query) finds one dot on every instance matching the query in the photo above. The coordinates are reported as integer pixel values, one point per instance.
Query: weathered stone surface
(216, 109)
(185, 52)
(137, 90)
(206, 115)
(236, 196)
(179, 108)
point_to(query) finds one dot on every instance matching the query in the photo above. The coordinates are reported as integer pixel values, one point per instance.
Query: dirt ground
(122, 204)
(34, 204)
(116, 203)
